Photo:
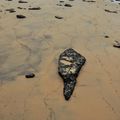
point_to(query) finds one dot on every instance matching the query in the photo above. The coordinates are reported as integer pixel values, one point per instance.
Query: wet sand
(33, 44)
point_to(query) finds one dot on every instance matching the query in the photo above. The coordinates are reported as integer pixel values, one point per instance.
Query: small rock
(68, 5)
(61, 1)
(21, 1)
(30, 75)
(58, 17)
(59, 4)
(106, 36)
(110, 11)
(21, 8)
(20, 16)
(34, 8)
(11, 10)
(116, 44)
(89, 1)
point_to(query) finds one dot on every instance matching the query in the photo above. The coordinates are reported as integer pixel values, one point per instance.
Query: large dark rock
(69, 64)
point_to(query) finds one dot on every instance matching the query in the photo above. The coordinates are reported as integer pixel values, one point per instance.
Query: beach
(33, 35)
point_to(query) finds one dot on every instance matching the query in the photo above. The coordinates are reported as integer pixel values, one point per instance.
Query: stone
(19, 7)
(21, 1)
(69, 64)
(116, 44)
(68, 5)
(11, 10)
(106, 10)
(89, 1)
(30, 75)
(59, 4)
(106, 36)
(20, 16)
(61, 1)
(58, 17)
(34, 8)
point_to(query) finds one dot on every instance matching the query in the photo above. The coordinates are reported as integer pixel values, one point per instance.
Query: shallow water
(35, 43)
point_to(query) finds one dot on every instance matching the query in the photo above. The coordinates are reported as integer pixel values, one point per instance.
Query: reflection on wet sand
(33, 44)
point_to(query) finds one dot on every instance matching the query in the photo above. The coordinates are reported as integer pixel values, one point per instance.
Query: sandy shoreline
(35, 43)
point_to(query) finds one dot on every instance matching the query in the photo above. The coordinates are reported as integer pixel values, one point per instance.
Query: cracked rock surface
(70, 63)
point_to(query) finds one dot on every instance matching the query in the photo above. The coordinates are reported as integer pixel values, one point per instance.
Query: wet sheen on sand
(33, 44)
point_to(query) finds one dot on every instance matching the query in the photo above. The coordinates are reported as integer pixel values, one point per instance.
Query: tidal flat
(31, 40)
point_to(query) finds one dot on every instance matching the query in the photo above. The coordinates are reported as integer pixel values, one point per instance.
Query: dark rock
(59, 4)
(69, 64)
(89, 1)
(34, 8)
(106, 36)
(68, 5)
(30, 75)
(110, 11)
(11, 10)
(61, 1)
(20, 16)
(117, 44)
(21, 8)
(58, 17)
(21, 1)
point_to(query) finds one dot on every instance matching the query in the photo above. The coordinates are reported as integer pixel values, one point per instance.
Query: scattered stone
(68, 5)
(20, 16)
(21, 8)
(106, 36)
(34, 8)
(11, 10)
(116, 44)
(30, 75)
(61, 1)
(21, 1)
(69, 64)
(59, 4)
(110, 11)
(58, 17)
(89, 1)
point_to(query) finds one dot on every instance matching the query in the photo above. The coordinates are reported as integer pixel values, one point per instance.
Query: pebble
(58, 17)
(106, 36)
(20, 1)
(30, 75)
(11, 10)
(34, 8)
(117, 44)
(68, 5)
(20, 16)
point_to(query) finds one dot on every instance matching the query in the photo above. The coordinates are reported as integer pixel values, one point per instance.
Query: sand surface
(35, 43)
